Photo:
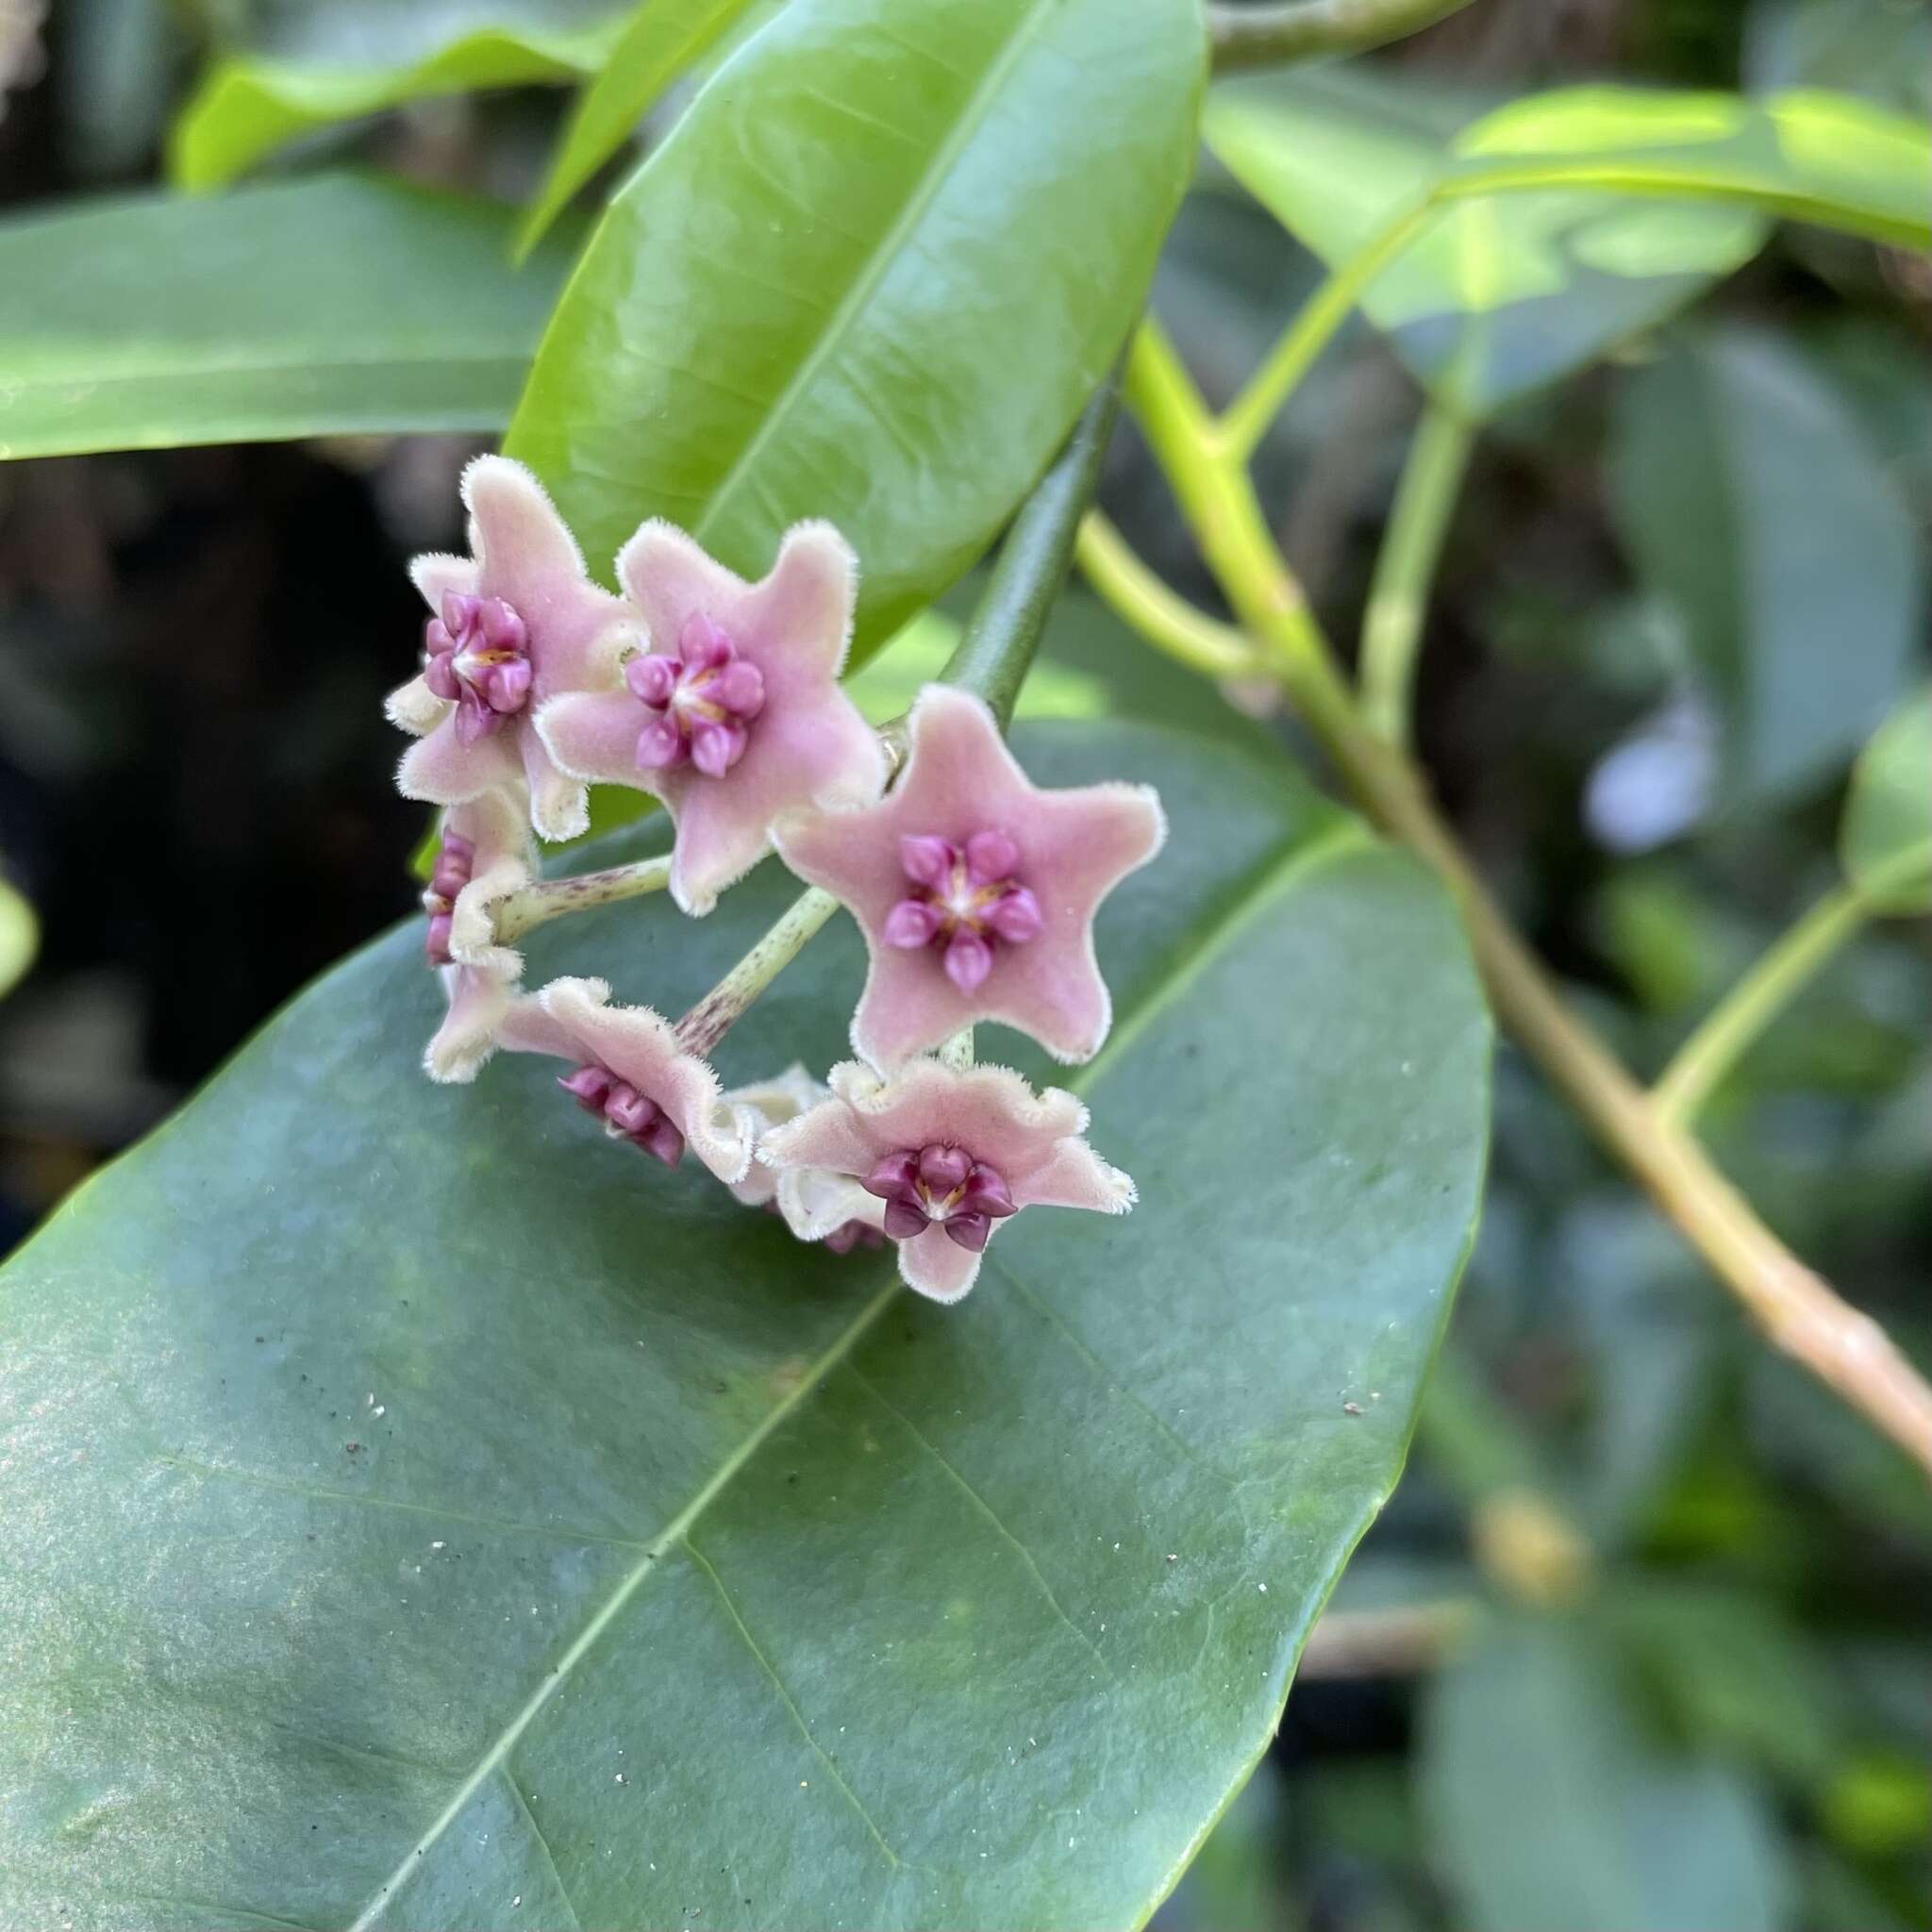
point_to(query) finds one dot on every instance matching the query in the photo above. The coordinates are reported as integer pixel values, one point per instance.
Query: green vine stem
(1169, 622)
(1399, 597)
(519, 912)
(1797, 1308)
(1787, 966)
(992, 660)
(1268, 36)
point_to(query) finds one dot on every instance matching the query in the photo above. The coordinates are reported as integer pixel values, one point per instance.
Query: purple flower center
(703, 701)
(454, 861)
(965, 900)
(627, 1115)
(923, 1186)
(477, 653)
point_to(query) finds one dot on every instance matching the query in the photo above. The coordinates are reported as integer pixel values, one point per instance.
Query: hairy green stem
(1268, 36)
(524, 911)
(1797, 1308)
(707, 1023)
(1398, 599)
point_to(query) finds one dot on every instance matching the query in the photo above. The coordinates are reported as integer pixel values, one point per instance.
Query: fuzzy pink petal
(593, 735)
(803, 751)
(577, 630)
(525, 550)
(668, 578)
(478, 1004)
(960, 777)
(831, 1135)
(1073, 1175)
(642, 1047)
(503, 862)
(527, 1028)
(559, 801)
(802, 610)
(440, 771)
(908, 1005)
(938, 1267)
(436, 575)
(415, 709)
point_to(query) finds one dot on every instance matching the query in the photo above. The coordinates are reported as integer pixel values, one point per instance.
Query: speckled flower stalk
(512, 624)
(951, 1155)
(628, 1070)
(734, 713)
(975, 889)
(485, 857)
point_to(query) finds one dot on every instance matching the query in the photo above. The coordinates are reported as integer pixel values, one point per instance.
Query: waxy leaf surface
(421, 1512)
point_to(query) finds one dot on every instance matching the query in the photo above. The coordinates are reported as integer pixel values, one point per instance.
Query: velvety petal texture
(976, 888)
(514, 625)
(642, 1078)
(735, 714)
(770, 1102)
(973, 1147)
(484, 855)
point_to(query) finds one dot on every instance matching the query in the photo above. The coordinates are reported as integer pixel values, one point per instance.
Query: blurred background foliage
(1639, 1645)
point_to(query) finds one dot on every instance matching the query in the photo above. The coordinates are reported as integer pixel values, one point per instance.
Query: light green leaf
(1748, 497)
(336, 304)
(884, 689)
(1550, 1812)
(421, 1504)
(1884, 841)
(1813, 156)
(1498, 295)
(872, 275)
(19, 936)
(343, 61)
(661, 38)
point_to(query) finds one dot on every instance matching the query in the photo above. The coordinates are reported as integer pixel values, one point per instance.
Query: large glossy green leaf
(660, 40)
(1751, 501)
(342, 59)
(340, 303)
(420, 1514)
(1499, 296)
(1884, 841)
(1551, 1813)
(872, 275)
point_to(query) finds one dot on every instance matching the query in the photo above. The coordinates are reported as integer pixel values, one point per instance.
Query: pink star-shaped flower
(514, 624)
(486, 854)
(975, 889)
(630, 1072)
(950, 1154)
(735, 715)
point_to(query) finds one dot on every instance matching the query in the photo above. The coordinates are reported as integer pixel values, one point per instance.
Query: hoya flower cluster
(974, 889)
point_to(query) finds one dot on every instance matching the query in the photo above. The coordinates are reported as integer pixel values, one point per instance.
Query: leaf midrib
(1285, 868)
(925, 192)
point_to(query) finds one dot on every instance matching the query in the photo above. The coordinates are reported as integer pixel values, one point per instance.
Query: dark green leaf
(661, 38)
(343, 60)
(336, 304)
(1499, 296)
(409, 1489)
(1550, 1813)
(1885, 843)
(872, 275)
(1748, 497)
